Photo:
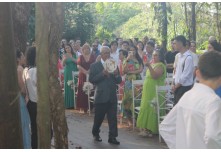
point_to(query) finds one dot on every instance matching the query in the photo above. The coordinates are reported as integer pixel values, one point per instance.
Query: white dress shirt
(30, 80)
(195, 59)
(195, 122)
(184, 71)
(115, 56)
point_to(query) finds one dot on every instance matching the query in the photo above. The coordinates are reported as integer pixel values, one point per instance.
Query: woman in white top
(30, 80)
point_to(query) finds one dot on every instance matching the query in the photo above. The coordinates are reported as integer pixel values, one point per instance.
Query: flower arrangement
(87, 87)
(70, 83)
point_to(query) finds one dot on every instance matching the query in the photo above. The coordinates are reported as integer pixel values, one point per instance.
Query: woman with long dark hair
(70, 63)
(132, 67)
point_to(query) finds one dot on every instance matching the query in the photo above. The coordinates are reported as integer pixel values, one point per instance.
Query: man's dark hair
(209, 65)
(181, 38)
(151, 43)
(125, 53)
(31, 57)
(112, 43)
(216, 46)
(125, 42)
(172, 39)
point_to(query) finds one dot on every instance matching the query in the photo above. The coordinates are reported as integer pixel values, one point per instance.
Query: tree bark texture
(164, 22)
(49, 23)
(42, 62)
(193, 5)
(20, 15)
(10, 121)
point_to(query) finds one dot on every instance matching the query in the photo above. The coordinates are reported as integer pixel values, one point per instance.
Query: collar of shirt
(102, 61)
(185, 53)
(204, 88)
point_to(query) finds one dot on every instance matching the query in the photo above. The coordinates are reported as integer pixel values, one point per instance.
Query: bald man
(105, 96)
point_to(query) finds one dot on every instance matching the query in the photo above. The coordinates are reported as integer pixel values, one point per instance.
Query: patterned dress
(127, 98)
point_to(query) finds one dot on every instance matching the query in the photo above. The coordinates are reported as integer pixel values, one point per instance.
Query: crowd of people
(137, 60)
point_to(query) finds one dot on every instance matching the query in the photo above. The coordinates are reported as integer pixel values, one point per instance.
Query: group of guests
(136, 61)
(195, 121)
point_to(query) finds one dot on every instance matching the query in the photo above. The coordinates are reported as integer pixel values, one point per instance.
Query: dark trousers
(32, 109)
(111, 110)
(180, 92)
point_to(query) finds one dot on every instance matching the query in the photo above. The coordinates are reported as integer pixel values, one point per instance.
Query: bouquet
(87, 87)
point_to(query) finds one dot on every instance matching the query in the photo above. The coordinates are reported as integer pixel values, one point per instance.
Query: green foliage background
(110, 20)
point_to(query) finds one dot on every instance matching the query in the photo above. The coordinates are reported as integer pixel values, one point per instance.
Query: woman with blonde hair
(83, 64)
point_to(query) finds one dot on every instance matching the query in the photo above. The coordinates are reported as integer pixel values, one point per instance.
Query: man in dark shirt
(170, 57)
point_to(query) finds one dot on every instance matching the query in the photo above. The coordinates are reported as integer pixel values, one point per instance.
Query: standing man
(170, 58)
(184, 69)
(95, 50)
(195, 122)
(78, 47)
(119, 42)
(125, 46)
(105, 97)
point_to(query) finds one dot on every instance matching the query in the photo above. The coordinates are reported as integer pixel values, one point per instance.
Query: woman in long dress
(83, 64)
(25, 119)
(70, 63)
(132, 67)
(155, 76)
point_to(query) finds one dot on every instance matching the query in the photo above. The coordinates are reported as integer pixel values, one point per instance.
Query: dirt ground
(80, 126)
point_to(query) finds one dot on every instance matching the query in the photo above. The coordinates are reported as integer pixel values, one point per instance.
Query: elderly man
(105, 97)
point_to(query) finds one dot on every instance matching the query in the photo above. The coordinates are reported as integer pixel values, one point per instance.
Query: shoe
(97, 138)
(143, 133)
(113, 141)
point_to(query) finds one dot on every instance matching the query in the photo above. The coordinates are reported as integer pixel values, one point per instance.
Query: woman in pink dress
(84, 62)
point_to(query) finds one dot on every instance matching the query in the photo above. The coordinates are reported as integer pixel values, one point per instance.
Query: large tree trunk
(43, 107)
(20, 15)
(187, 20)
(218, 21)
(10, 123)
(56, 98)
(193, 37)
(164, 22)
(50, 19)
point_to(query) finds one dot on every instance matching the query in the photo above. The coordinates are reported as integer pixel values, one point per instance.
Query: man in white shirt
(119, 42)
(195, 122)
(184, 69)
(114, 52)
